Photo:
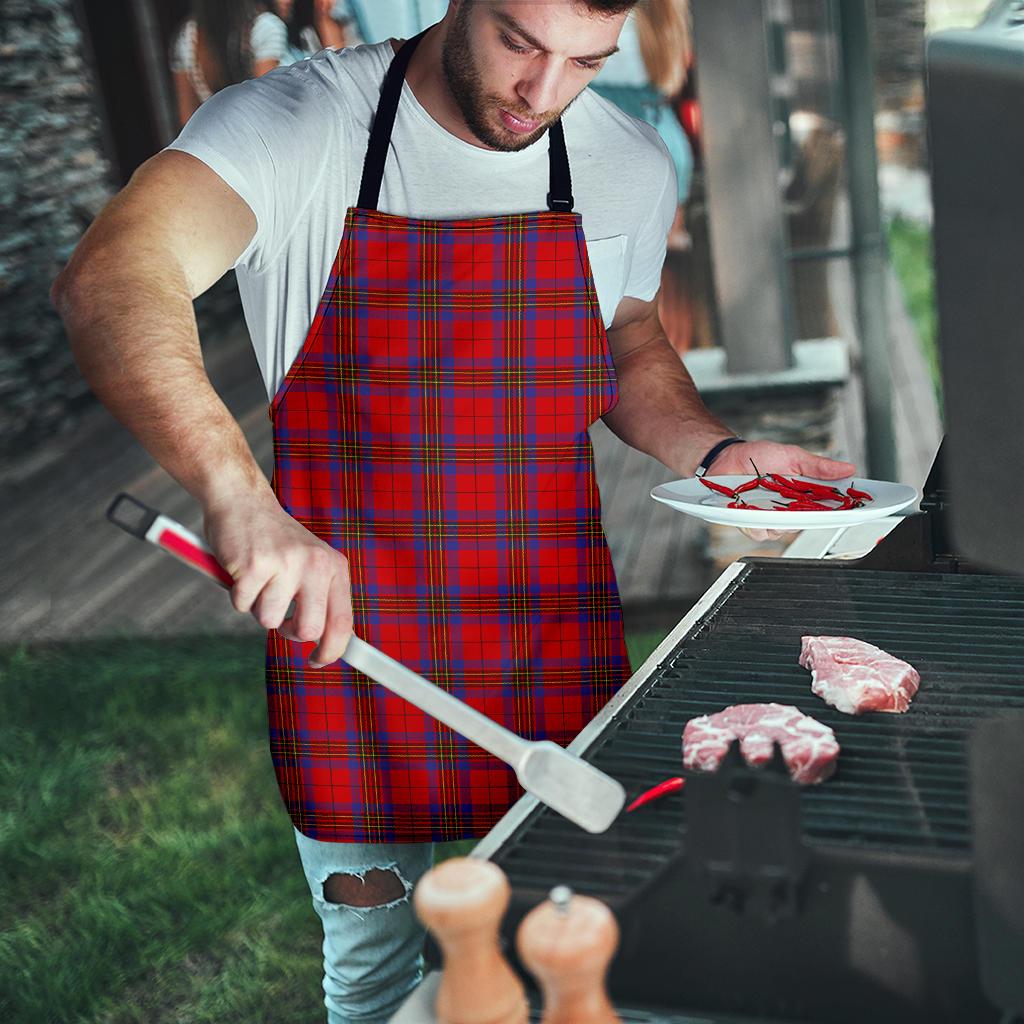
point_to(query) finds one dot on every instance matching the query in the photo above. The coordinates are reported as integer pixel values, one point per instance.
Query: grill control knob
(567, 943)
(462, 901)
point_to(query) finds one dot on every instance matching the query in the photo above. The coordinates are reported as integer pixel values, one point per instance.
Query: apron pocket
(608, 265)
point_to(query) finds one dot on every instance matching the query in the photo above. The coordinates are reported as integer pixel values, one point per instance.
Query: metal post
(742, 173)
(154, 63)
(867, 238)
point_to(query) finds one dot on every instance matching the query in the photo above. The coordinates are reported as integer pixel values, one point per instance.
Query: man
(434, 356)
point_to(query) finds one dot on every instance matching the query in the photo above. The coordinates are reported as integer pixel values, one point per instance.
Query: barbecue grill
(895, 890)
(748, 896)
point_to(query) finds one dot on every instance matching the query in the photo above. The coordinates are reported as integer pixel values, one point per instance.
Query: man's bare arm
(126, 300)
(659, 410)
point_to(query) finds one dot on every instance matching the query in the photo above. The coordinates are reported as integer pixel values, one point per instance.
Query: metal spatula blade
(564, 782)
(571, 786)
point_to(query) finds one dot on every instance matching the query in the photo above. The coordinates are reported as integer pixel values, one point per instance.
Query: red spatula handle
(147, 524)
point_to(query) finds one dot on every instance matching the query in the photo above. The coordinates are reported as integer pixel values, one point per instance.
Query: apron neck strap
(383, 122)
(560, 185)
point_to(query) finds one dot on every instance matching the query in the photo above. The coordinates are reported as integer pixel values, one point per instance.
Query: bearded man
(449, 254)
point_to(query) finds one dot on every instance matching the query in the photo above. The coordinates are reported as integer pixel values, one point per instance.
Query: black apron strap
(383, 122)
(559, 187)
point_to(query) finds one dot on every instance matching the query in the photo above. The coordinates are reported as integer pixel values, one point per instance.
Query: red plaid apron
(434, 430)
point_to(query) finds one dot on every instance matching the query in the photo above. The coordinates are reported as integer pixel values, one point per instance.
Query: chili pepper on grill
(661, 789)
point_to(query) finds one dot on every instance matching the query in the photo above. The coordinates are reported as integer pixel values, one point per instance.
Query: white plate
(693, 498)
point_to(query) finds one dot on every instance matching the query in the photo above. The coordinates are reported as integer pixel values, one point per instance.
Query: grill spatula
(567, 784)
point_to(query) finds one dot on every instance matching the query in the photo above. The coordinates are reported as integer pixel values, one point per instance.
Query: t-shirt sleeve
(652, 237)
(269, 38)
(269, 140)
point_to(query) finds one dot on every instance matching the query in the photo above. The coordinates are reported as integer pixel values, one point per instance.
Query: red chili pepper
(750, 485)
(806, 505)
(668, 786)
(862, 495)
(809, 487)
(721, 489)
(786, 492)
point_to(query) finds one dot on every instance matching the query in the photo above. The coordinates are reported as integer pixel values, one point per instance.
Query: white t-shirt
(292, 144)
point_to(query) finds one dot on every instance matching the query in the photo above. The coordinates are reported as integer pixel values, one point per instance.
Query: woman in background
(313, 25)
(644, 78)
(221, 43)
(648, 72)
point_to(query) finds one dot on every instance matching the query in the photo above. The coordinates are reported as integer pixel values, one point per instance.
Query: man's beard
(465, 84)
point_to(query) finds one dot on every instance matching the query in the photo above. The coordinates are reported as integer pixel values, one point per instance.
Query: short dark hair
(608, 7)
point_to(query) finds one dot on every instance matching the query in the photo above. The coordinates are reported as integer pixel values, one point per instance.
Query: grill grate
(901, 785)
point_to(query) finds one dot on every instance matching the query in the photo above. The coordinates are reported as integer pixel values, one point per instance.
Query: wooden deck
(69, 573)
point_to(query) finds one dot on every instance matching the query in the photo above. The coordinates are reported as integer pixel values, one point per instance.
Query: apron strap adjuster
(557, 205)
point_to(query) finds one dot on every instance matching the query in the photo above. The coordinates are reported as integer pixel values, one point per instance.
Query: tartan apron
(434, 430)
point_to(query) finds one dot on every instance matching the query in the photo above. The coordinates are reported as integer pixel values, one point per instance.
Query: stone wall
(54, 178)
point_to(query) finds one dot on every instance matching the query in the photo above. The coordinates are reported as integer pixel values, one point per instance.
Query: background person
(221, 43)
(313, 25)
(647, 75)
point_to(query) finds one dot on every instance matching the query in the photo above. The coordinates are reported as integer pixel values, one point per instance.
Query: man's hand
(771, 457)
(274, 560)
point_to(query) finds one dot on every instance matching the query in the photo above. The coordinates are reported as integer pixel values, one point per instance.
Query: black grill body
(847, 901)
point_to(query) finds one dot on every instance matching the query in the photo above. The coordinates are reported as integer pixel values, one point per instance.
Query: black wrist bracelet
(705, 463)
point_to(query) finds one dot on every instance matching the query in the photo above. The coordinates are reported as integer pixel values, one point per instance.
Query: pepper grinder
(567, 943)
(462, 901)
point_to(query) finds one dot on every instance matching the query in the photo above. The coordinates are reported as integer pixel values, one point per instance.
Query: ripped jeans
(372, 954)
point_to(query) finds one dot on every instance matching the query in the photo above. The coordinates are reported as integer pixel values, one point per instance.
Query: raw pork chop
(855, 677)
(808, 747)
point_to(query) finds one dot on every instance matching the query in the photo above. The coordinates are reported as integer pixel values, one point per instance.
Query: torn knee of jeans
(373, 888)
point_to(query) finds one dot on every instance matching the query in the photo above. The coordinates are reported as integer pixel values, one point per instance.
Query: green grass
(910, 247)
(149, 872)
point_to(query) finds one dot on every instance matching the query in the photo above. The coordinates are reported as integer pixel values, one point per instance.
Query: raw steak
(855, 677)
(808, 747)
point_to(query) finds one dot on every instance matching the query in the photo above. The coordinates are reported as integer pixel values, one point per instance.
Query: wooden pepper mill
(567, 943)
(462, 901)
